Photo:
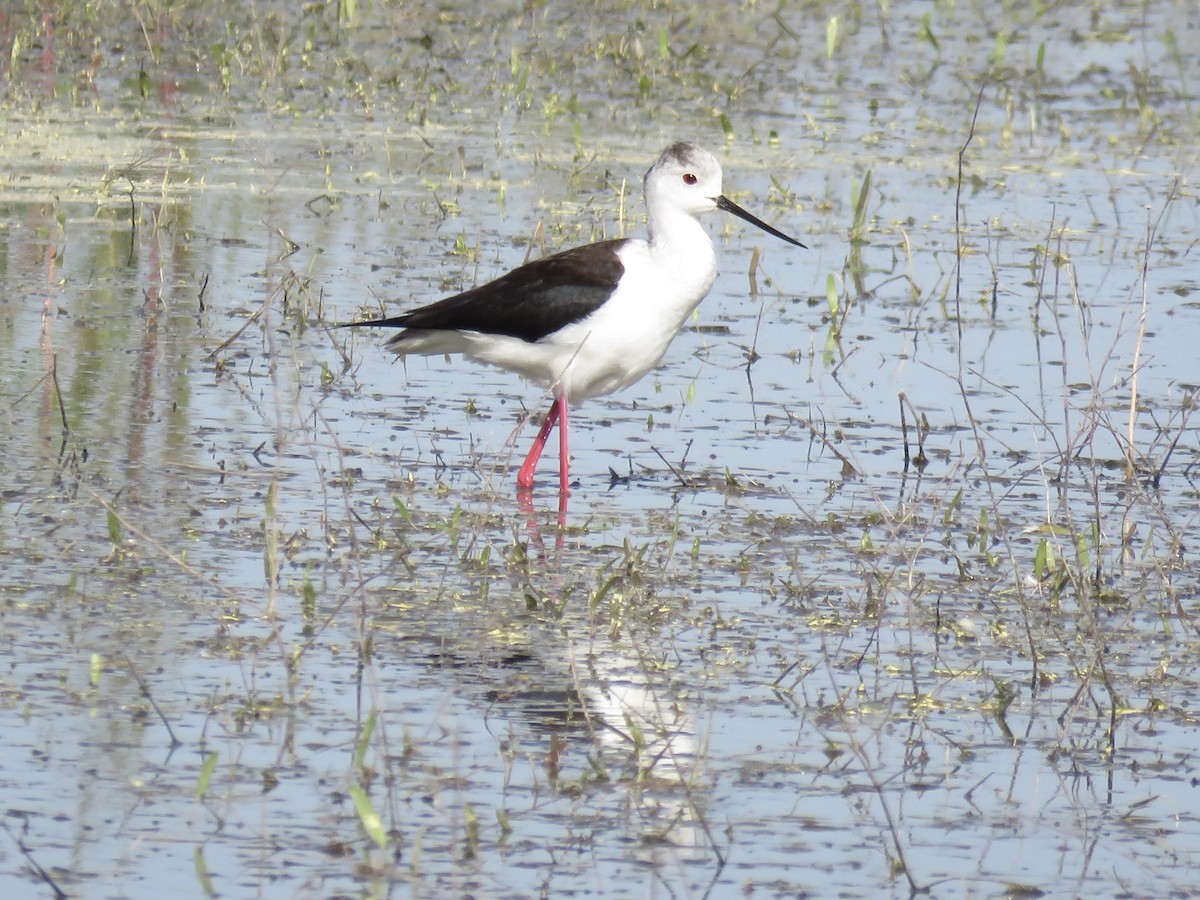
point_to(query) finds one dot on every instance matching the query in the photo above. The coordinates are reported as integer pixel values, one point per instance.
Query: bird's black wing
(529, 302)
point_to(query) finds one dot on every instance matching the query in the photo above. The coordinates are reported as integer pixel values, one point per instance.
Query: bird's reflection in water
(599, 712)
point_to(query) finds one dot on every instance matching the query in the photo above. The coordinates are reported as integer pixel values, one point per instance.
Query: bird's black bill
(729, 206)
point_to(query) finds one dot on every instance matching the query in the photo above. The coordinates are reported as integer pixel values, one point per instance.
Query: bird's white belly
(583, 360)
(599, 359)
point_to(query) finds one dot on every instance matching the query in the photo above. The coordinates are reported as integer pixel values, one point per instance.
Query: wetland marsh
(885, 582)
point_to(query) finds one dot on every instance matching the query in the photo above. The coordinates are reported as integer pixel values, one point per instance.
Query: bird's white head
(685, 178)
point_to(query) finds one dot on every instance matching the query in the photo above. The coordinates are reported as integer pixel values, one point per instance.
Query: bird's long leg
(564, 454)
(525, 475)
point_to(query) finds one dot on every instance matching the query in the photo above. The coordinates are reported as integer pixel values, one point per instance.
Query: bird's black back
(529, 302)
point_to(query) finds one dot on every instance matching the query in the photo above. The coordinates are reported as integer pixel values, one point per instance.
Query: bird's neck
(683, 257)
(681, 237)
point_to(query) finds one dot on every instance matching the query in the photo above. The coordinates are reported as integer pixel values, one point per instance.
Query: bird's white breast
(628, 335)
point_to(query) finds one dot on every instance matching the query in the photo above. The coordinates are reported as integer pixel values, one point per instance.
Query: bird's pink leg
(525, 475)
(564, 454)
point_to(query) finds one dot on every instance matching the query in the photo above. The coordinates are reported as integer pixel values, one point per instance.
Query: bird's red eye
(689, 178)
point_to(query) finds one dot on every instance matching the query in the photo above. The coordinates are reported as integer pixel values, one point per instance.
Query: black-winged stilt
(594, 319)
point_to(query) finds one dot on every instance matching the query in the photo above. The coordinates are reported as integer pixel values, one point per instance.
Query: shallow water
(767, 658)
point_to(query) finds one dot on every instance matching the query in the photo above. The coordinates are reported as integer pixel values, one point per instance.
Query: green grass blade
(206, 774)
(371, 823)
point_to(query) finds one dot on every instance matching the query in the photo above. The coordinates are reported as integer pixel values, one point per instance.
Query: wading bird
(594, 319)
